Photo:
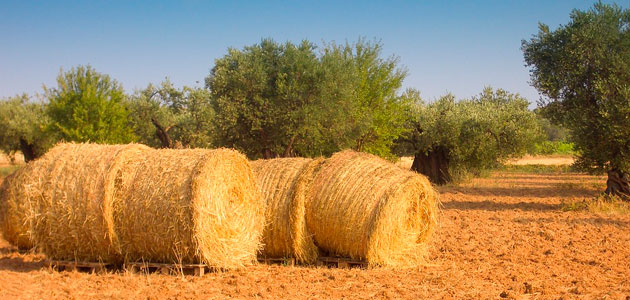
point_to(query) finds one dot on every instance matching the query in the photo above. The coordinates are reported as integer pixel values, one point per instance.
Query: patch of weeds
(538, 169)
(603, 204)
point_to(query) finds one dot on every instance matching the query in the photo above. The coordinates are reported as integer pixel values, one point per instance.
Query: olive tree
(470, 135)
(23, 127)
(166, 117)
(582, 70)
(274, 99)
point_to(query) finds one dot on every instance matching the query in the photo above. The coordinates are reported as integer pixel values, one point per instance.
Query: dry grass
(284, 184)
(364, 207)
(190, 206)
(601, 204)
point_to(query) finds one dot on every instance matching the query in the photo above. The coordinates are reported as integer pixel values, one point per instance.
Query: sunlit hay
(13, 212)
(71, 219)
(284, 184)
(363, 207)
(17, 194)
(189, 206)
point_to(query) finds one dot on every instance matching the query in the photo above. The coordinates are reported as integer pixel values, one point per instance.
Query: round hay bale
(72, 218)
(189, 206)
(13, 212)
(17, 193)
(284, 184)
(364, 207)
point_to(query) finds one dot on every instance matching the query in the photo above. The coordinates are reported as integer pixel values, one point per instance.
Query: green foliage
(379, 113)
(23, 123)
(583, 70)
(185, 116)
(89, 106)
(276, 99)
(551, 148)
(478, 133)
(553, 132)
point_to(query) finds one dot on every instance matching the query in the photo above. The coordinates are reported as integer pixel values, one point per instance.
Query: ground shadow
(524, 191)
(499, 206)
(587, 220)
(19, 261)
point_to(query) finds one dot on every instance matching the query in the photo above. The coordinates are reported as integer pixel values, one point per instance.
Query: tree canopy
(23, 127)
(274, 99)
(583, 71)
(89, 106)
(453, 137)
(166, 117)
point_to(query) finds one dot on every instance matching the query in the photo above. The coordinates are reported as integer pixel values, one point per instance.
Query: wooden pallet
(288, 261)
(91, 267)
(341, 262)
(187, 269)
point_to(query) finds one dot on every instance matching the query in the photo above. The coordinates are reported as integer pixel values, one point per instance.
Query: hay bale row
(115, 203)
(131, 203)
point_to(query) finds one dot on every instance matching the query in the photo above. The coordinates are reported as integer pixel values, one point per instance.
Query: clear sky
(447, 46)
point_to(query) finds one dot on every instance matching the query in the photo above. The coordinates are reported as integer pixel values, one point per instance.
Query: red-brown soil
(500, 237)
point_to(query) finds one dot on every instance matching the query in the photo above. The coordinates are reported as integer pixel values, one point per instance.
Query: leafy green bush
(552, 147)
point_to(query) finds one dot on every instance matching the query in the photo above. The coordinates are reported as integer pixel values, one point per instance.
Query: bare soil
(505, 236)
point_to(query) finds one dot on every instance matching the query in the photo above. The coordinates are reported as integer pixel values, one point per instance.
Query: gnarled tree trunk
(28, 150)
(162, 134)
(618, 184)
(434, 165)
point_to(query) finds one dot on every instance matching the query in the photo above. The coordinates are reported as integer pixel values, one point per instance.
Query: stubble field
(506, 236)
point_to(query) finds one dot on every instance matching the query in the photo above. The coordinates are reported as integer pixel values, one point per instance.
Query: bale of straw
(14, 212)
(284, 184)
(363, 207)
(17, 193)
(72, 217)
(189, 206)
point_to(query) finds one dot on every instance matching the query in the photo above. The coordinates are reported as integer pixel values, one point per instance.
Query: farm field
(505, 236)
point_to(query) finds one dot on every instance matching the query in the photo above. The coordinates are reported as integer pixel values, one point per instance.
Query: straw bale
(72, 219)
(189, 206)
(363, 207)
(16, 197)
(284, 184)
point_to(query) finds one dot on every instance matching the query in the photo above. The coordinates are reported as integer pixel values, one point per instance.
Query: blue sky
(447, 46)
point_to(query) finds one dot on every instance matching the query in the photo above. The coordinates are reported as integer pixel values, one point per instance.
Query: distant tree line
(280, 100)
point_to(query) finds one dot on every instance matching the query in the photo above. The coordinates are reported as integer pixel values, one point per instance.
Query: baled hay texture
(284, 184)
(17, 193)
(189, 206)
(364, 207)
(72, 219)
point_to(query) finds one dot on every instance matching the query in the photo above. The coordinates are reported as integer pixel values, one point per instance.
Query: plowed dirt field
(506, 236)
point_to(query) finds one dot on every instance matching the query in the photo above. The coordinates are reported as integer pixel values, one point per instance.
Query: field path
(505, 236)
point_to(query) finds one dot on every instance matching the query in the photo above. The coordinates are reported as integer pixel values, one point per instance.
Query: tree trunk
(28, 150)
(162, 134)
(618, 184)
(434, 165)
(268, 154)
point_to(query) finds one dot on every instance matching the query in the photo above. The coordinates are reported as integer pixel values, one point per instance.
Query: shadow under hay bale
(284, 184)
(188, 206)
(363, 207)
